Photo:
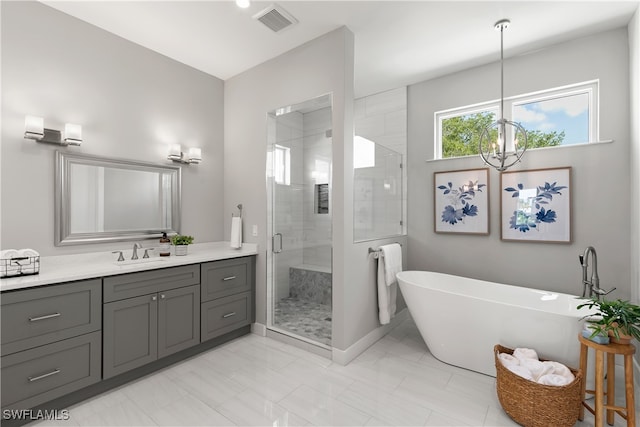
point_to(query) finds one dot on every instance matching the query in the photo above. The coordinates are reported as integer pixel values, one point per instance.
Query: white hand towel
(389, 264)
(507, 359)
(520, 371)
(553, 379)
(236, 232)
(537, 368)
(560, 369)
(525, 353)
(392, 256)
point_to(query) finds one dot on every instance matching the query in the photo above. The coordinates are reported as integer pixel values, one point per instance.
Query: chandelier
(503, 142)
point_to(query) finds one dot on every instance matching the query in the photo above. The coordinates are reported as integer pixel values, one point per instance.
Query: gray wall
(131, 102)
(634, 73)
(600, 177)
(324, 65)
(321, 66)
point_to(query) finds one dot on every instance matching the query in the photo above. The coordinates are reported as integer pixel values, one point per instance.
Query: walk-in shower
(299, 216)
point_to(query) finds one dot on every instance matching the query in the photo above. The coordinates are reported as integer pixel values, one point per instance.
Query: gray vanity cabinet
(130, 334)
(178, 320)
(51, 342)
(227, 296)
(150, 315)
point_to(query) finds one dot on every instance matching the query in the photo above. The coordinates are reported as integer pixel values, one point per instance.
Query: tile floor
(305, 318)
(257, 381)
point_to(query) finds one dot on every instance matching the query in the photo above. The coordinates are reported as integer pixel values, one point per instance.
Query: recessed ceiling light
(243, 3)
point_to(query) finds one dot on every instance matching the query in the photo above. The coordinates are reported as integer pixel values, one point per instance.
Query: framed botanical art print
(536, 205)
(461, 201)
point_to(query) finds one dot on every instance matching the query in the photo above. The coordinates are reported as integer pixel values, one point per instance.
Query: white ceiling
(396, 42)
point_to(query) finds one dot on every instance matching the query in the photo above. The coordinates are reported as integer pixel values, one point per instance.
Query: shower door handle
(273, 243)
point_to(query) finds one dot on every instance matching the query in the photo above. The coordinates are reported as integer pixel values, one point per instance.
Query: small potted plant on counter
(181, 243)
(618, 319)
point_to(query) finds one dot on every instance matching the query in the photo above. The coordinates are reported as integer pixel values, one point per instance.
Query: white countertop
(67, 268)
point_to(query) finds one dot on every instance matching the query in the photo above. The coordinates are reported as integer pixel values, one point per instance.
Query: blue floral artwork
(525, 218)
(461, 201)
(536, 205)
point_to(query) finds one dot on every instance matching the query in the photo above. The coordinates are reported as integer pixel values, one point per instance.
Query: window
(282, 165)
(561, 116)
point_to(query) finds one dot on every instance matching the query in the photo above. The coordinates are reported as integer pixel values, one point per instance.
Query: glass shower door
(299, 219)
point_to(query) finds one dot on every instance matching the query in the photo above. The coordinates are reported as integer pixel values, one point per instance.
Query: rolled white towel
(8, 254)
(28, 253)
(525, 353)
(537, 368)
(560, 369)
(520, 371)
(554, 380)
(507, 359)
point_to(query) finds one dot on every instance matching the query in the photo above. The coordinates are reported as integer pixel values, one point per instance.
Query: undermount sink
(139, 261)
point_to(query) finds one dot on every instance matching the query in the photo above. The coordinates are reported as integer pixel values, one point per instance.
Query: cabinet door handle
(162, 296)
(233, 313)
(228, 278)
(154, 297)
(46, 316)
(40, 377)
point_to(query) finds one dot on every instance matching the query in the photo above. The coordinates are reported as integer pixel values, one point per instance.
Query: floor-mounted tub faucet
(591, 286)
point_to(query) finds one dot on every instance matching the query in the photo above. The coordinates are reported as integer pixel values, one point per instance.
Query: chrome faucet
(136, 246)
(591, 286)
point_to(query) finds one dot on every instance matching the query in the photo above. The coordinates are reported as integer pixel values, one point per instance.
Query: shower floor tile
(304, 318)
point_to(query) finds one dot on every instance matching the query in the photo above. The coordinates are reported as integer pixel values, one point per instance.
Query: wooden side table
(627, 350)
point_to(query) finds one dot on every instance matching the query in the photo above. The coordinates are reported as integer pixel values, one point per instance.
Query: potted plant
(180, 242)
(617, 318)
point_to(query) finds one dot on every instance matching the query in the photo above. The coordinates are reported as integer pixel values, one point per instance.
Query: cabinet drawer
(148, 282)
(223, 278)
(35, 317)
(35, 376)
(225, 314)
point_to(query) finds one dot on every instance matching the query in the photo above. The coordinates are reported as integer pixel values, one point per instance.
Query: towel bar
(376, 252)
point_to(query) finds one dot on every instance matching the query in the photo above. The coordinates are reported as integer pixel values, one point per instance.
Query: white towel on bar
(389, 264)
(236, 232)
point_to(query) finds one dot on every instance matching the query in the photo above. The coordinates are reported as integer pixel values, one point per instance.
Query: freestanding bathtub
(461, 319)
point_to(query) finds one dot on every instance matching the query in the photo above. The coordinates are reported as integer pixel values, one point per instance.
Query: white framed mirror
(100, 199)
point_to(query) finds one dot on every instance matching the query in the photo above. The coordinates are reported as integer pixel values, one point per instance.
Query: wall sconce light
(193, 156)
(34, 129)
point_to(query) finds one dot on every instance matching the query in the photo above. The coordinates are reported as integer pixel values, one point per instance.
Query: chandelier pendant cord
(496, 152)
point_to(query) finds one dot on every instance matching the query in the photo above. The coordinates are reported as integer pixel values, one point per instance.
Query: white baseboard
(259, 329)
(343, 357)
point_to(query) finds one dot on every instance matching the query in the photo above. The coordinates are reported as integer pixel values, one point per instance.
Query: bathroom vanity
(66, 340)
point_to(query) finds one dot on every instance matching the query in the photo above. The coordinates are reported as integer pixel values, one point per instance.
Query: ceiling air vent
(275, 18)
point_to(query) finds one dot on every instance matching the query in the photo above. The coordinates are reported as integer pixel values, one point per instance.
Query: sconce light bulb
(33, 127)
(195, 155)
(73, 134)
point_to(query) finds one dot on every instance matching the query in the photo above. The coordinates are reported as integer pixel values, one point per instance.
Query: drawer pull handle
(46, 316)
(233, 313)
(228, 278)
(40, 377)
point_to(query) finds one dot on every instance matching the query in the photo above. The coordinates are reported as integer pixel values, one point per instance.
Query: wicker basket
(536, 405)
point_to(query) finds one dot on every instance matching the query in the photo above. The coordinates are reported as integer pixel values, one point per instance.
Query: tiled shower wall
(288, 202)
(317, 166)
